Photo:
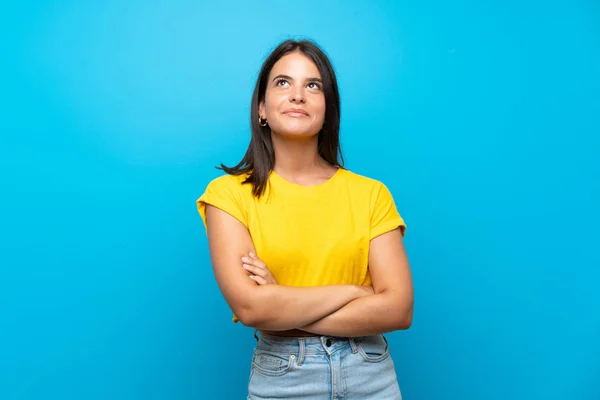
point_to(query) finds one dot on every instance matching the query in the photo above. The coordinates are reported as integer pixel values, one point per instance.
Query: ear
(261, 110)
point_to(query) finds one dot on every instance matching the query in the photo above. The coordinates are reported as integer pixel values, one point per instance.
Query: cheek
(320, 107)
(272, 103)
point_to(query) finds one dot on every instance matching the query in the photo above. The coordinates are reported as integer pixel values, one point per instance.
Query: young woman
(304, 251)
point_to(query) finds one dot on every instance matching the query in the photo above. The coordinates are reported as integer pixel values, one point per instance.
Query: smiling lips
(296, 112)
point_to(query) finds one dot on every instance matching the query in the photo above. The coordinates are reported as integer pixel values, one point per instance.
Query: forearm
(278, 308)
(370, 315)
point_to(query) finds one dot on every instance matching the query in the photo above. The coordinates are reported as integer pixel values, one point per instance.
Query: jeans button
(328, 342)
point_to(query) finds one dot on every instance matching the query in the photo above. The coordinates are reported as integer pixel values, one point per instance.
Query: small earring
(260, 121)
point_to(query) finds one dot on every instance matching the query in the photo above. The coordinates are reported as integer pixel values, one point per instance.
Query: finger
(253, 257)
(258, 279)
(250, 260)
(255, 270)
(254, 261)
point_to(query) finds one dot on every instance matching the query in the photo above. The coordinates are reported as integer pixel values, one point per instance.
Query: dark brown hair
(259, 159)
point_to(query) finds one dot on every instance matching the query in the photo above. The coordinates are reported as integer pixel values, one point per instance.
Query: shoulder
(375, 191)
(228, 187)
(364, 182)
(228, 180)
(228, 193)
(383, 212)
(230, 183)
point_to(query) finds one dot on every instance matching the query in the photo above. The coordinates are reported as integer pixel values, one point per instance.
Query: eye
(281, 82)
(314, 85)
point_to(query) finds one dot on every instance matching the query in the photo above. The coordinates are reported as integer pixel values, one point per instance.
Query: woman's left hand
(258, 270)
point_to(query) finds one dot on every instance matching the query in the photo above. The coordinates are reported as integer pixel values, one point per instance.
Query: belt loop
(354, 345)
(301, 351)
(387, 345)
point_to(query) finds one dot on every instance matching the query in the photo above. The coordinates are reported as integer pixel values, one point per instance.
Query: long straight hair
(259, 159)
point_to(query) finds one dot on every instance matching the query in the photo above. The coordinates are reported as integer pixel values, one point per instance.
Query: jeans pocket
(373, 348)
(271, 363)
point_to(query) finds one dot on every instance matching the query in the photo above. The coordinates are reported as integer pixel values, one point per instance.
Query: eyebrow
(291, 79)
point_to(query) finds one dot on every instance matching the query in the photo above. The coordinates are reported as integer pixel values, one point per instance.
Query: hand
(259, 272)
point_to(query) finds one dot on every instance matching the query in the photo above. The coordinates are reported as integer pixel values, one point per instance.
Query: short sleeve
(384, 215)
(225, 194)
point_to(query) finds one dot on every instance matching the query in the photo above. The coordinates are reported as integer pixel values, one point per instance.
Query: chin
(295, 130)
(292, 133)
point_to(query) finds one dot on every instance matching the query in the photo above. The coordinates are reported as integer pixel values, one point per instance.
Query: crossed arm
(336, 310)
(390, 308)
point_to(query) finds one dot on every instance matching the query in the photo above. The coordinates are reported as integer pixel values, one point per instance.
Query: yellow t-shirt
(310, 236)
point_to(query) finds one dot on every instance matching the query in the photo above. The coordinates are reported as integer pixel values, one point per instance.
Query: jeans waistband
(305, 345)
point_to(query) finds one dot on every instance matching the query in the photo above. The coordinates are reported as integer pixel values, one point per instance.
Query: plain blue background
(482, 119)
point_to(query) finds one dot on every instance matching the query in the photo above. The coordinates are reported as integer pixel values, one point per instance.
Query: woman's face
(294, 103)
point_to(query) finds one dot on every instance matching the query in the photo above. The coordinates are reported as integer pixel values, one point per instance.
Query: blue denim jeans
(322, 368)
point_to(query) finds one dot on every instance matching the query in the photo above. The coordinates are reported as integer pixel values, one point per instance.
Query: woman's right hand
(258, 270)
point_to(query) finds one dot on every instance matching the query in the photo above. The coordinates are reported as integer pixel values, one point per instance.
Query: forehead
(296, 65)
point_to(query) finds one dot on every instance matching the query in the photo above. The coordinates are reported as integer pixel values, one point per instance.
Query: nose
(297, 95)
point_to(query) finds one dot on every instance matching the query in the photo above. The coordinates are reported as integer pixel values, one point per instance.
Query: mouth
(296, 112)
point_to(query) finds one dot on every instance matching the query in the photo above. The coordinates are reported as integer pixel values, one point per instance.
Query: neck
(297, 156)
